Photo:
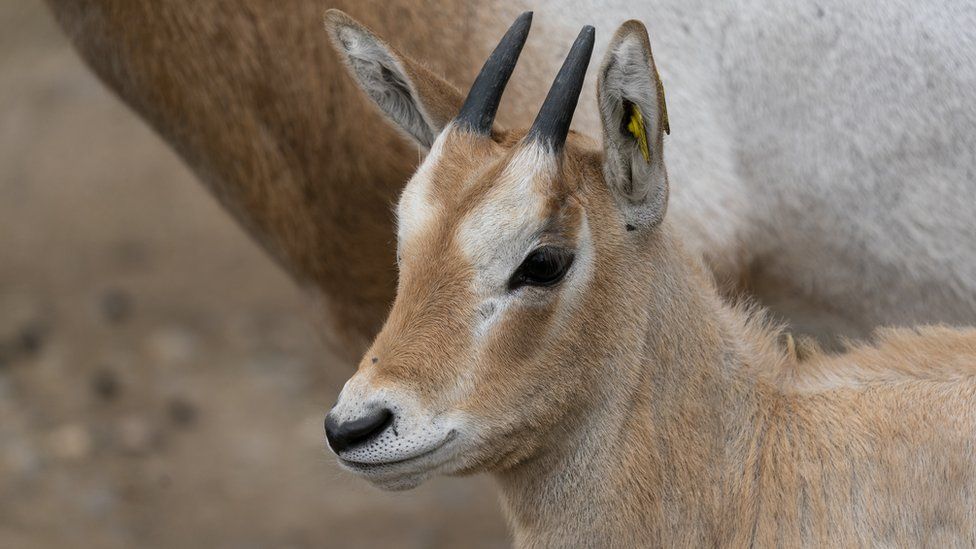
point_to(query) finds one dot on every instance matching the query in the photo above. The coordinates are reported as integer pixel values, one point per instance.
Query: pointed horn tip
(478, 110)
(583, 45)
(522, 23)
(587, 34)
(552, 124)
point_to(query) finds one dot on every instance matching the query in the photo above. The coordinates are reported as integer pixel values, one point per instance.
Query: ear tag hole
(636, 128)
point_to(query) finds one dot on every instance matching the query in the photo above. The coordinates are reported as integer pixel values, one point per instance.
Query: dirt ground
(162, 382)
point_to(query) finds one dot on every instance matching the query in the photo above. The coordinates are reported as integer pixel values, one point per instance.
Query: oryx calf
(550, 329)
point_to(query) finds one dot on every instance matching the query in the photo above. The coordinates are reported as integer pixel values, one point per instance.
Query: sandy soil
(162, 382)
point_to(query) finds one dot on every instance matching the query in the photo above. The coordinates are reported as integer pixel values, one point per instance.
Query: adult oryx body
(824, 153)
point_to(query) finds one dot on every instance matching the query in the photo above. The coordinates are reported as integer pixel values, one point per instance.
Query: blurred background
(162, 382)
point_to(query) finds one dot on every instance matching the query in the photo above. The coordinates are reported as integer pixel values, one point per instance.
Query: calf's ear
(635, 119)
(417, 101)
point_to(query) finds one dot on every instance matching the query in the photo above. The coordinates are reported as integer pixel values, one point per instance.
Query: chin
(410, 472)
(392, 477)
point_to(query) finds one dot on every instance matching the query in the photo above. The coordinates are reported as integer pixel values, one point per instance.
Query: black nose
(347, 434)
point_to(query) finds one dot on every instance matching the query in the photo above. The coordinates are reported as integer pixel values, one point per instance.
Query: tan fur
(630, 406)
(932, 353)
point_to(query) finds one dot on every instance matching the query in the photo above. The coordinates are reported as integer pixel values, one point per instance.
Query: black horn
(551, 125)
(478, 111)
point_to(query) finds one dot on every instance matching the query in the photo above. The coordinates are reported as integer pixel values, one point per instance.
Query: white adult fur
(826, 148)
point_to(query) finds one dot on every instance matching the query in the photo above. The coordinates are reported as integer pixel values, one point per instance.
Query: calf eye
(544, 267)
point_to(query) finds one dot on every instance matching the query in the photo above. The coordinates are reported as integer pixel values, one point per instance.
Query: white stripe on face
(497, 234)
(415, 209)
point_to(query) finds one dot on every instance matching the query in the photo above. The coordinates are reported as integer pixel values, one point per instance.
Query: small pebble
(70, 442)
(172, 345)
(182, 412)
(105, 385)
(135, 435)
(31, 338)
(116, 306)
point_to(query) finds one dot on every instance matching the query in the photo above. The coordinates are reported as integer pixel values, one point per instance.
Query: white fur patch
(498, 231)
(415, 209)
(580, 273)
(512, 212)
(498, 235)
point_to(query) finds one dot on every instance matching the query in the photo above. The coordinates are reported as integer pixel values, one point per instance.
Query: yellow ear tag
(636, 127)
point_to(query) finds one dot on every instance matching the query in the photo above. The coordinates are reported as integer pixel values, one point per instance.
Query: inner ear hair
(630, 79)
(391, 80)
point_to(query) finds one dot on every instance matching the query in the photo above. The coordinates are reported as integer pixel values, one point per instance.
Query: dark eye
(545, 266)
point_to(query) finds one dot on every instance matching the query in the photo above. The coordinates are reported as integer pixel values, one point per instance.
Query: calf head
(517, 252)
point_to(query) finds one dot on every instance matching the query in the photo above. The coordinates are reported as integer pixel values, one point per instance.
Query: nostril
(347, 434)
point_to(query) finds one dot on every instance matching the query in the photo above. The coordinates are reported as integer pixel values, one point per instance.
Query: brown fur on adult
(253, 98)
